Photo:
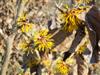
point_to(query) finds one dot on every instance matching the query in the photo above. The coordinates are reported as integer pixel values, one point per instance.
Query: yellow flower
(21, 19)
(22, 22)
(23, 46)
(42, 40)
(46, 63)
(26, 27)
(61, 68)
(70, 18)
(82, 48)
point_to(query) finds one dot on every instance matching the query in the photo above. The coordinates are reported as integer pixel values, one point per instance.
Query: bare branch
(9, 46)
(59, 7)
(18, 8)
(2, 34)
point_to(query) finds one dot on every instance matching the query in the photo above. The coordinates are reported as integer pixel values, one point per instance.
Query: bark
(93, 25)
(82, 66)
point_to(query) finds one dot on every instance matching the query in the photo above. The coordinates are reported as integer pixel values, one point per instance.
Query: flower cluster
(43, 41)
(22, 22)
(46, 63)
(23, 46)
(61, 68)
(82, 48)
(70, 18)
(26, 46)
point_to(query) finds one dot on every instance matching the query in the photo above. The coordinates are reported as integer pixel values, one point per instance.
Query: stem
(9, 45)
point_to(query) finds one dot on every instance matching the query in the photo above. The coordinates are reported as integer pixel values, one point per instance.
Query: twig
(18, 8)
(55, 32)
(2, 34)
(58, 7)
